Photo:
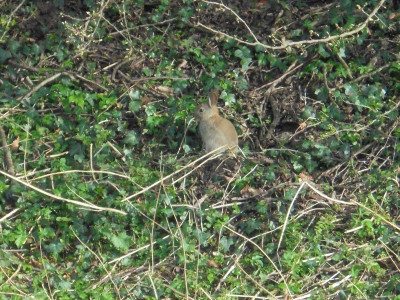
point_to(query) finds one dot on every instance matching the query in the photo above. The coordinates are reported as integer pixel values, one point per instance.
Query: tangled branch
(285, 44)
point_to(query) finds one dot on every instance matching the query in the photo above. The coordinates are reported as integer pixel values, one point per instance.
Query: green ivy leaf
(239, 53)
(54, 247)
(131, 138)
(77, 98)
(21, 239)
(13, 45)
(322, 51)
(308, 112)
(121, 241)
(245, 63)
(297, 166)
(64, 285)
(135, 105)
(134, 94)
(342, 53)
(228, 98)
(226, 243)
(4, 55)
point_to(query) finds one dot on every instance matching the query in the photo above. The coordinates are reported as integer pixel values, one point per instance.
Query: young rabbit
(215, 131)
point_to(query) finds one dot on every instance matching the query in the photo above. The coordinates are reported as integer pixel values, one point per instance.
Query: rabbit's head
(208, 109)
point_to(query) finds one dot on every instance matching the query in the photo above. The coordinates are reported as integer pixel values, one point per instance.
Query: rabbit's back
(217, 132)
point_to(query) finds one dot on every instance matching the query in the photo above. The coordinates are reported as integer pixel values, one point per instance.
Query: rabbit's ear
(213, 98)
(209, 101)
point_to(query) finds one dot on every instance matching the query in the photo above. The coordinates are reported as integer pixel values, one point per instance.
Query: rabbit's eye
(201, 109)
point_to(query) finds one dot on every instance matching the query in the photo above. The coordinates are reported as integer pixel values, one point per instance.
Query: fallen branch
(82, 204)
(353, 203)
(210, 155)
(54, 77)
(285, 44)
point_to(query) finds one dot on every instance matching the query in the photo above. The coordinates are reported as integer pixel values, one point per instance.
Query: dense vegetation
(105, 192)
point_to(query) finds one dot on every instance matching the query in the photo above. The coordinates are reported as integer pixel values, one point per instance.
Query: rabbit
(215, 131)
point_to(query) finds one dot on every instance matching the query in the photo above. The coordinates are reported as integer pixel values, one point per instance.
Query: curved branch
(286, 44)
(82, 204)
(54, 77)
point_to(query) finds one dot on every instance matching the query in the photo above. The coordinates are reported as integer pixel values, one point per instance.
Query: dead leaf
(182, 65)
(394, 15)
(304, 176)
(166, 90)
(36, 263)
(15, 144)
(212, 264)
(145, 100)
(249, 191)
(302, 125)
(245, 190)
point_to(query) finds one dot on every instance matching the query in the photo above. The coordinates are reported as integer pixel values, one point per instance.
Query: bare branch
(286, 44)
(82, 204)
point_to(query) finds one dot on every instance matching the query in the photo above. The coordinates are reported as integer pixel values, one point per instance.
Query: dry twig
(78, 203)
(285, 44)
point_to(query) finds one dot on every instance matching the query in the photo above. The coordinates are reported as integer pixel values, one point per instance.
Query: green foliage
(98, 108)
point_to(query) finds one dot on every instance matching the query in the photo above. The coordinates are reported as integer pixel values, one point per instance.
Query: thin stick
(80, 171)
(54, 77)
(10, 18)
(209, 154)
(101, 262)
(42, 84)
(265, 254)
(90, 206)
(288, 214)
(353, 202)
(9, 215)
(91, 162)
(7, 158)
(286, 44)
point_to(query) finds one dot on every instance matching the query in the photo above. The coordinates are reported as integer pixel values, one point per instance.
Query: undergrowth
(106, 192)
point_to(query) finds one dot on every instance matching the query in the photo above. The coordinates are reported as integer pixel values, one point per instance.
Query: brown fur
(215, 131)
